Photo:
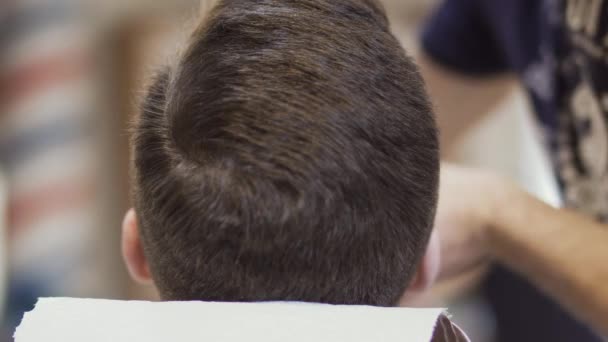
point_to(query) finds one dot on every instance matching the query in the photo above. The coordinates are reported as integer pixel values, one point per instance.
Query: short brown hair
(290, 155)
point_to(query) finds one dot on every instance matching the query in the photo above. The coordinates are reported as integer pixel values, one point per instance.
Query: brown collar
(446, 331)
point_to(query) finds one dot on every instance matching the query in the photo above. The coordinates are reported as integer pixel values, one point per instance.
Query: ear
(132, 250)
(428, 269)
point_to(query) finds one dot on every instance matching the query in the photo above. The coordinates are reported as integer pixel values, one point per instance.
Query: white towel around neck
(78, 320)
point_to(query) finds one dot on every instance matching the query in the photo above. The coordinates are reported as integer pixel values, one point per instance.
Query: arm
(563, 253)
(460, 102)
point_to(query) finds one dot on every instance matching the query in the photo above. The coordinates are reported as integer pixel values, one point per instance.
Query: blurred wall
(66, 72)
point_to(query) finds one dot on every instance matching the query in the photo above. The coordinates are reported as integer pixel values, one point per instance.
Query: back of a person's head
(290, 155)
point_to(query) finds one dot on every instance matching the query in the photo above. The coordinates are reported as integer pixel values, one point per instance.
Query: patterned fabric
(582, 93)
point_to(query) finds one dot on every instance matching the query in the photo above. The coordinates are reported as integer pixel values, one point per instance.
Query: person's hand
(468, 200)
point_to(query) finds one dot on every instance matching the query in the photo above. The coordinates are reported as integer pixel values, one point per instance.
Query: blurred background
(71, 73)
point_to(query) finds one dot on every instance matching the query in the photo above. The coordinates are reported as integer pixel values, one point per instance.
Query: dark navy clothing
(488, 37)
(559, 49)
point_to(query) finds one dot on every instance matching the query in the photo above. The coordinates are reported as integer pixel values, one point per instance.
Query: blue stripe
(23, 295)
(29, 144)
(23, 22)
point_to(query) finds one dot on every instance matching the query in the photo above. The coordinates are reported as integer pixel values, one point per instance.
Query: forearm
(562, 252)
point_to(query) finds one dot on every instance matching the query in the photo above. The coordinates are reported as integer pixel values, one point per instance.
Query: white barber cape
(77, 320)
